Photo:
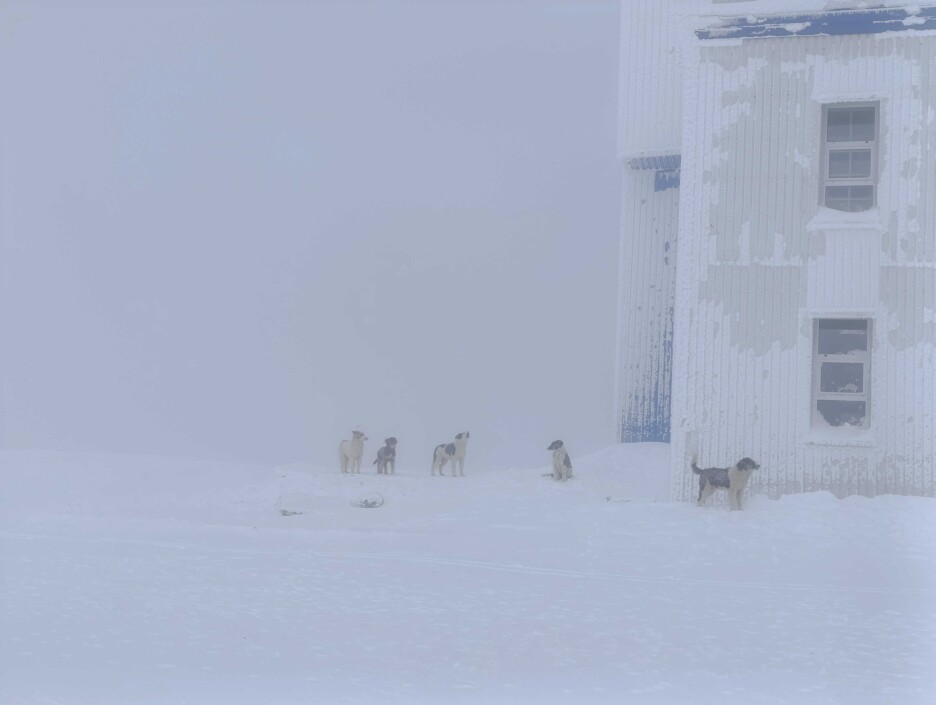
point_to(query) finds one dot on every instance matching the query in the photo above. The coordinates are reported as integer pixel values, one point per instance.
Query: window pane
(842, 336)
(842, 377)
(839, 164)
(849, 198)
(850, 164)
(861, 163)
(838, 125)
(842, 413)
(862, 124)
(850, 124)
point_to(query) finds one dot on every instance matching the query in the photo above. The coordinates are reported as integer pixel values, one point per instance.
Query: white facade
(760, 260)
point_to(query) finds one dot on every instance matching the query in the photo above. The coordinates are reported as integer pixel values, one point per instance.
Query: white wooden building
(778, 243)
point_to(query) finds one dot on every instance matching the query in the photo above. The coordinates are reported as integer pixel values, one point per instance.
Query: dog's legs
(392, 469)
(705, 491)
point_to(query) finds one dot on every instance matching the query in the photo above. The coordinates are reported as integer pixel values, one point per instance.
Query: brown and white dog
(386, 457)
(733, 479)
(451, 452)
(350, 453)
(562, 464)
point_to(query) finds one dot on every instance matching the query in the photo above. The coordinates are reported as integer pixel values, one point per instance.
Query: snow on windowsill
(831, 219)
(844, 436)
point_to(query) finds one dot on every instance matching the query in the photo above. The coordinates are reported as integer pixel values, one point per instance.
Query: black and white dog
(562, 464)
(733, 479)
(454, 452)
(386, 457)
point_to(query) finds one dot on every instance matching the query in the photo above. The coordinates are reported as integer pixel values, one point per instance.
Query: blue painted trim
(655, 162)
(647, 417)
(833, 22)
(666, 180)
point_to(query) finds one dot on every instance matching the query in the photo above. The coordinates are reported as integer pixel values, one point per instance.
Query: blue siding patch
(666, 167)
(834, 22)
(655, 162)
(646, 416)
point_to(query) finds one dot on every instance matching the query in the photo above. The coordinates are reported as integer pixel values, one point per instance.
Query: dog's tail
(695, 468)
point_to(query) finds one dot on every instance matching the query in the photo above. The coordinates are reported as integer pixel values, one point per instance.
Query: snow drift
(151, 580)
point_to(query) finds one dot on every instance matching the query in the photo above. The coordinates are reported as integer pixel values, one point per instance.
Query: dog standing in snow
(350, 453)
(562, 463)
(454, 452)
(386, 457)
(733, 479)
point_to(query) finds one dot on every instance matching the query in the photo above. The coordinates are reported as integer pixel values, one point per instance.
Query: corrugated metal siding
(648, 143)
(646, 296)
(752, 275)
(650, 100)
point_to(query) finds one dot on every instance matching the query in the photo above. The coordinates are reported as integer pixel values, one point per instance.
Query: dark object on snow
(369, 501)
(287, 513)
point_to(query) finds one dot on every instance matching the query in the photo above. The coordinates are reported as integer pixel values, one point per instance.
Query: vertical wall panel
(757, 265)
(647, 279)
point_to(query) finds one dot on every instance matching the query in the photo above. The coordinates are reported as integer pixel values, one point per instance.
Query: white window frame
(862, 357)
(827, 148)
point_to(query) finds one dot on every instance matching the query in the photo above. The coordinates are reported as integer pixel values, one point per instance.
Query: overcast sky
(240, 229)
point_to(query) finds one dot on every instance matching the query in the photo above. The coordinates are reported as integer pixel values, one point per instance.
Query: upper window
(841, 372)
(849, 156)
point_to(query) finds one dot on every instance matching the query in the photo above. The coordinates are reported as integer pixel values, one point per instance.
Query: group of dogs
(350, 452)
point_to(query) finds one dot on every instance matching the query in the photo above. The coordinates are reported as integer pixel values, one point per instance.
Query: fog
(238, 230)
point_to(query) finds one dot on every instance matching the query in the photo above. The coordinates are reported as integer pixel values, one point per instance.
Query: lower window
(841, 372)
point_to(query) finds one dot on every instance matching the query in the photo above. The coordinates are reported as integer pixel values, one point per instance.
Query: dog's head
(459, 436)
(747, 464)
(554, 445)
(358, 435)
(390, 441)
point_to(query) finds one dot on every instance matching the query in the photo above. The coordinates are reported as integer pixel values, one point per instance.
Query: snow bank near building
(151, 580)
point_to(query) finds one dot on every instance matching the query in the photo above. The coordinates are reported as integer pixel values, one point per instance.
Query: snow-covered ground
(135, 581)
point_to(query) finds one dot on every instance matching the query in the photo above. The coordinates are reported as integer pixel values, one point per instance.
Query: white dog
(562, 464)
(351, 452)
(454, 452)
